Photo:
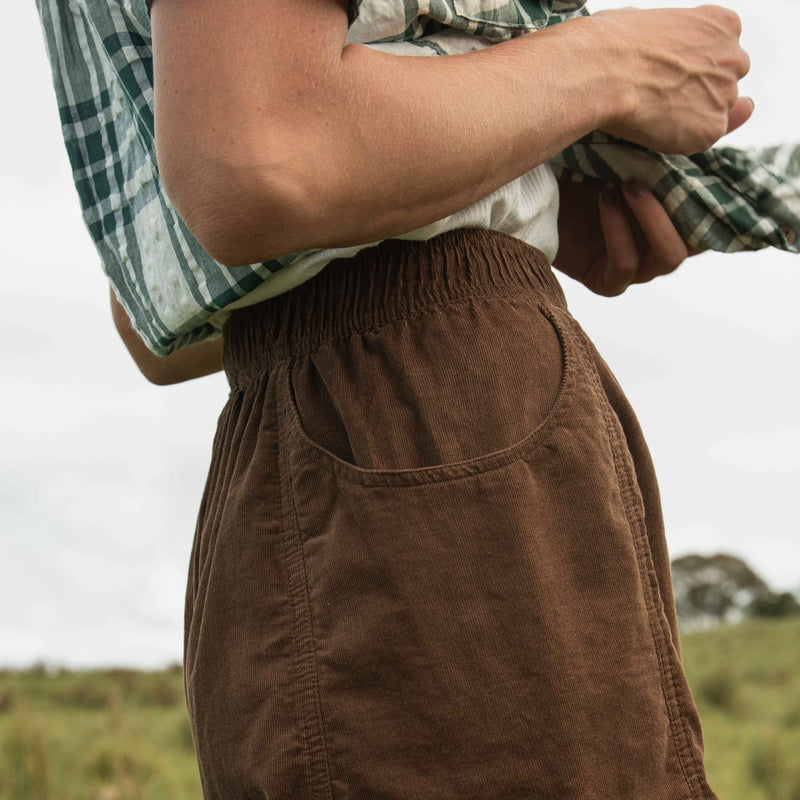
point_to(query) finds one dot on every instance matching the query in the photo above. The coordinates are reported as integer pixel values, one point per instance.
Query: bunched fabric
(724, 199)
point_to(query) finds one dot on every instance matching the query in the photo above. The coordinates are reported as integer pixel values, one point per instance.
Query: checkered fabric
(176, 294)
(724, 199)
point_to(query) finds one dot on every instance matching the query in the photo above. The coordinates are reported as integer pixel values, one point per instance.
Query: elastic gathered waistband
(377, 285)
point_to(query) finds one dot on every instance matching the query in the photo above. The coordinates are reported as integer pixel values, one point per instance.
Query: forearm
(406, 158)
(274, 137)
(372, 156)
(191, 362)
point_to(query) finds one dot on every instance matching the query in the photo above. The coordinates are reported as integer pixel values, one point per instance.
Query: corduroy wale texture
(430, 561)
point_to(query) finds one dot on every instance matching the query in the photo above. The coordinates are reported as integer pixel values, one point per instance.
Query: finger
(741, 112)
(622, 262)
(665, 250)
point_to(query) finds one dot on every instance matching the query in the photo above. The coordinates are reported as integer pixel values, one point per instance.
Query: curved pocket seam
(440, 473)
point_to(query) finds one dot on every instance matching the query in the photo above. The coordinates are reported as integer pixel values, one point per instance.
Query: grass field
(124, 734)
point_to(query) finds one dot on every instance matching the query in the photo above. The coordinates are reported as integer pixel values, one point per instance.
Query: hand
(681, 69)
(608, 246)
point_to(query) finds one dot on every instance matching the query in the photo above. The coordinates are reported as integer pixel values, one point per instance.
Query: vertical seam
(690, 771)
(305, 659)
(204, 548)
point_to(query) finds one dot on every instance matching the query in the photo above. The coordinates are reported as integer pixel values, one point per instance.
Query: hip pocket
(481, 628)
(441, 393)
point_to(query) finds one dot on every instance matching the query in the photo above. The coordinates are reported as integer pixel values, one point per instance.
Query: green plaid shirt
(176, 294)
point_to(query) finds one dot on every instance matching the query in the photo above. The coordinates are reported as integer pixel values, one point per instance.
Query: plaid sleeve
(101, 59)
(724, 199)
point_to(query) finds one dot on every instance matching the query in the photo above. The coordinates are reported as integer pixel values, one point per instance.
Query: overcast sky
(102, 472)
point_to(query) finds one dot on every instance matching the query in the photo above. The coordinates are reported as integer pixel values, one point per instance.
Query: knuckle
(626, 267)
(613, 290)
(603, 291)
(674, 260)
(664, 264)
(713, 133)
(617, 276)
(726, 15)
(733, 20)
(744, 63)
(699, 145)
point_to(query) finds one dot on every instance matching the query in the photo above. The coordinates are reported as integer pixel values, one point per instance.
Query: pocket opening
(396, 474)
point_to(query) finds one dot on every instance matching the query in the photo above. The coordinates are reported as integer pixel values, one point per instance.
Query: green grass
(124, 734)
(108, 735)
(746, 684)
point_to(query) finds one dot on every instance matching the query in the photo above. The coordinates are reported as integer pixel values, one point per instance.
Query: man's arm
(191, 362)
(273, 136)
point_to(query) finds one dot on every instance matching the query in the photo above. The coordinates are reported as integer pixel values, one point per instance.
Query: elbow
(241, 210)
(237, 236)
(157, 376)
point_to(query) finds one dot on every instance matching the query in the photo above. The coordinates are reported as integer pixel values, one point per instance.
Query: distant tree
(781, 605)
(713, 589)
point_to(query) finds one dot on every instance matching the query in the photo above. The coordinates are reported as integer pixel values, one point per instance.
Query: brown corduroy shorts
(430, 562)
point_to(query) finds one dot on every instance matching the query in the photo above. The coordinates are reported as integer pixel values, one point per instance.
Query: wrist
(608, 55)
